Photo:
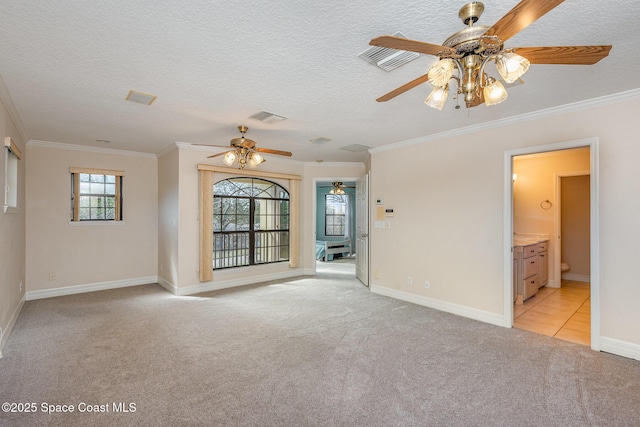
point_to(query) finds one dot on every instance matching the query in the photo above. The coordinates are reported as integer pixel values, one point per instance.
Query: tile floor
(563, 313)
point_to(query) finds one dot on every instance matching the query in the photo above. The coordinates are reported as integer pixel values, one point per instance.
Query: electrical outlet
(427, 285)
(161, 267)
(409, 280)
(376, 274)
(21, 286)
(52, 277)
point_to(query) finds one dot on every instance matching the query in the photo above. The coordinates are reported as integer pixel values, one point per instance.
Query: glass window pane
(96, 201)
(110, 213)
(97, 188)
(85, 187)
(85, 201)
(97, 178)
(110, 189)
(236, 227)
(84, 177)
(84, 213)
(110, 179)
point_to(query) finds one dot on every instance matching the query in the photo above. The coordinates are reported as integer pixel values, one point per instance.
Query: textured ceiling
(68, 66)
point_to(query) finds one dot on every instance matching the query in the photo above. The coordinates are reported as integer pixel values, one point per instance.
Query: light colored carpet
(311, 351)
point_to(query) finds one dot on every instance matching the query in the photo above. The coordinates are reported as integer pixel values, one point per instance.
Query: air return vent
(386, 58)
(319, 140)
(267, 117)
(140, 98)
(356, 148)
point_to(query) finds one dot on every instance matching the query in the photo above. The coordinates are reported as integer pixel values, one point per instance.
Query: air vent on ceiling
(355, 148)
(267, 117)
(319, 140)
(140, 98)
(386, 58)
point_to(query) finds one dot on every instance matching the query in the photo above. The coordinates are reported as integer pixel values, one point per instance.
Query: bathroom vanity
(531, 264)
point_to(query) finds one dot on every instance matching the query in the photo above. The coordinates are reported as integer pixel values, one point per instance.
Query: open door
(362, 229)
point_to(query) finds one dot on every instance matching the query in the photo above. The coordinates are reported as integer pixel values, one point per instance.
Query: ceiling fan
(244, 150)
(337, 187)
(468, 51)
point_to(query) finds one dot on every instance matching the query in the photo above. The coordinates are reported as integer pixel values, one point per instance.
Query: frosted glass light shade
(511, 66)
(437, 97)
(255, 159)
(229, 158)
(494, 92)
(440, 73)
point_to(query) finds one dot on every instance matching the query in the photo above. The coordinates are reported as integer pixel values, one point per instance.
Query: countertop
(528, 239)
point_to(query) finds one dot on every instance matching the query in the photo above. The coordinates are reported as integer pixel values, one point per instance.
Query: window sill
(10, 210)
(95, 223)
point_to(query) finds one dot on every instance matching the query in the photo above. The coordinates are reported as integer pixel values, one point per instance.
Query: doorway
(543, 204)
(335, 213)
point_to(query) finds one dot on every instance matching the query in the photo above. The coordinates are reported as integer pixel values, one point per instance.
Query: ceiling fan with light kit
(468, 51)
(337, 187)
(245, 151)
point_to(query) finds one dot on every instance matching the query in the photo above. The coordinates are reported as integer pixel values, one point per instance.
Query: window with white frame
(96, 194)
(335, 214)
(11, 156)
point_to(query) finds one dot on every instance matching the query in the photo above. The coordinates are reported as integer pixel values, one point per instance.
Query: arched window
(250, 222)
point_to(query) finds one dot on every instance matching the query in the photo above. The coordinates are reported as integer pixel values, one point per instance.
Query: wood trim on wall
(244, 172)
(96, 171)
(294, 224)
(8, 142)
(206, 225)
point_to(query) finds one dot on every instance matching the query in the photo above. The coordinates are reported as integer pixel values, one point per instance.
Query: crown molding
(171, 148)
(76, 147)
(554, 111)
(333, 164)
(7, 101)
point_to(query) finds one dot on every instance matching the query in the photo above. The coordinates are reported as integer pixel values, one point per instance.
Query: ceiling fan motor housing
(471, 12)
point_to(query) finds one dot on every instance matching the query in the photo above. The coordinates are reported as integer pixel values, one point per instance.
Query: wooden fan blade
(271, 151)
(210, 145)
(571, 55)
(520, 17)
(216, 155)
(402, 89)
(400, 43)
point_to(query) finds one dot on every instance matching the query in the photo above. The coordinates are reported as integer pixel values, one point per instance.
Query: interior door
(362, 229)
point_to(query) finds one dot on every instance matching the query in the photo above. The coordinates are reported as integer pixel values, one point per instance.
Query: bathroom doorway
(535, 182)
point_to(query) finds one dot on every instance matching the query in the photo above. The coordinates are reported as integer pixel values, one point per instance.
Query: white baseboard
(577, 277)
(168, 285)
(230, 283)
(91, 287)
(460, 310)
(4, 336)
(620, 348)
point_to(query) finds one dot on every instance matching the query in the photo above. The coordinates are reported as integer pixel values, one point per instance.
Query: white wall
(12, 237)
(168, 218)
(83, 255)
(448, 222)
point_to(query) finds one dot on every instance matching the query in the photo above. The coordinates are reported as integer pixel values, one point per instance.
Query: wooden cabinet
(528, 268)
(531, 269)
(543, 262)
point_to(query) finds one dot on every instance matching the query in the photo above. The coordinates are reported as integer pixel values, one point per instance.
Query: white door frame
(593, 144)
